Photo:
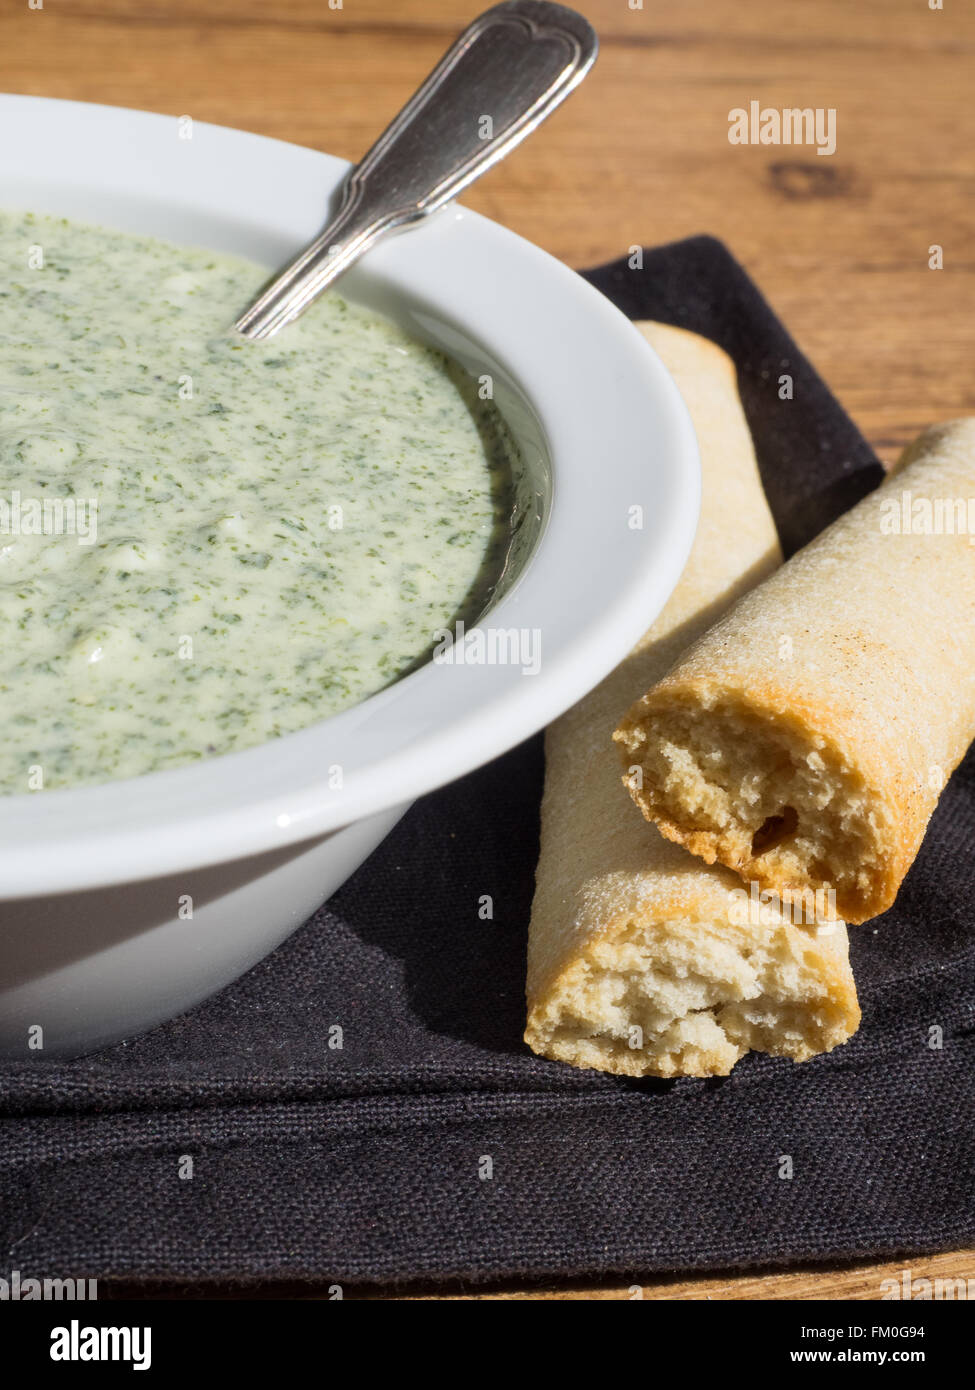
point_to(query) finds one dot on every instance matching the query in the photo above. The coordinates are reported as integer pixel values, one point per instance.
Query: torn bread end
(762, 794)
(690, 998)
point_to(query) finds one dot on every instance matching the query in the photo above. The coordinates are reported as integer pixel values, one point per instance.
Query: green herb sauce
(280, 528)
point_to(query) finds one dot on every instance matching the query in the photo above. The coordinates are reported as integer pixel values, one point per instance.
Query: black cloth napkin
(370, 1163)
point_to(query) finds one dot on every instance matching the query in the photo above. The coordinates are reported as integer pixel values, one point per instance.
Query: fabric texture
(371, 1163)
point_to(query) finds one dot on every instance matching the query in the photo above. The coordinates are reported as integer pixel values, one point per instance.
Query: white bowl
(91, 943)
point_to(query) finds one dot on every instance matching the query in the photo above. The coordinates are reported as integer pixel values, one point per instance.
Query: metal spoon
(508, 70)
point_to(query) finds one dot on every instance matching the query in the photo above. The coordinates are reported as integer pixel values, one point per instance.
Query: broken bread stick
(642, 960)
(805, 739)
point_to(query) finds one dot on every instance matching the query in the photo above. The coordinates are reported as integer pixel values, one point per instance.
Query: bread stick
(642, 960)
(805, 739)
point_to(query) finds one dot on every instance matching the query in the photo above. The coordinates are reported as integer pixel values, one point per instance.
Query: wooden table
(840, 244)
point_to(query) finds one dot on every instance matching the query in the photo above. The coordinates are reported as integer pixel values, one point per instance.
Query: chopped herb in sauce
(280, 529)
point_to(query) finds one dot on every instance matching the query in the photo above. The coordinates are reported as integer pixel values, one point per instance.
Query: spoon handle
(508, 70)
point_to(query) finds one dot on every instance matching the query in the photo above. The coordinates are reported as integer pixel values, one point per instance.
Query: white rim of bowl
(618, 433)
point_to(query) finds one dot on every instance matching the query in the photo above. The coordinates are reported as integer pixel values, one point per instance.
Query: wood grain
(639, 155)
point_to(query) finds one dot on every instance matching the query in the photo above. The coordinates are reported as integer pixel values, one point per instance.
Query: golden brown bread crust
(876, 687)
